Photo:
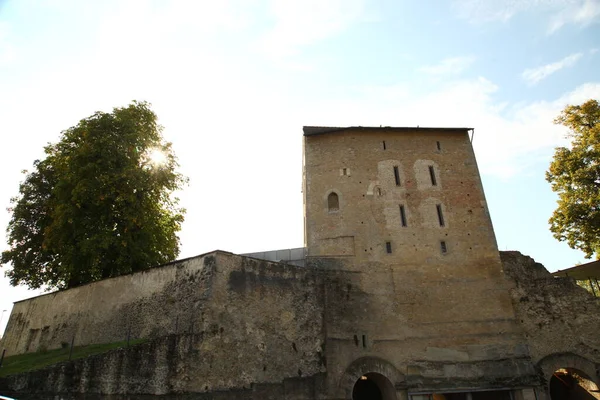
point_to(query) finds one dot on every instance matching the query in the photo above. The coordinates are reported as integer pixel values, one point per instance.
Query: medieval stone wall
(284, 332)
(432, 332)
(561, 320)
(399, 218)
(155, 370)
(253, 321)
(155, 302)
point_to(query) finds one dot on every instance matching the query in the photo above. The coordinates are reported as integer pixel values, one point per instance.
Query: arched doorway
(370, 378)
(572, 384)
(373, 386)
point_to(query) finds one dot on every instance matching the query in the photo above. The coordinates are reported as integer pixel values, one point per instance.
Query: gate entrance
(572, 384)
(373, 386)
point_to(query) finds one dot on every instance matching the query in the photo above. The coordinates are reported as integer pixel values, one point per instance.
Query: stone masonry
(401, 294)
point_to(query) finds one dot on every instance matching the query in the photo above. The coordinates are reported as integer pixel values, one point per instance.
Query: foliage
(575, 175)
(591, 286)
(99, 205)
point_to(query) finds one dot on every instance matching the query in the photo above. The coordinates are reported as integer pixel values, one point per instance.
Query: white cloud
(478, 11)
(534, 75)
(300, 23)
(583, 13)
(508, 136)
(560, 12)
(449, 66)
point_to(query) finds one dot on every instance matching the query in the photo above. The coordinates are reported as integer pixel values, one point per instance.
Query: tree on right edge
(574, 174)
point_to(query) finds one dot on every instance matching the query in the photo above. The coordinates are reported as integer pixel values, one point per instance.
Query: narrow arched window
(333, 202)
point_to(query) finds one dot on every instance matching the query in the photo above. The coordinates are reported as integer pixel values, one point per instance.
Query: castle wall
(442, 319)
(252, 320)
(437, 333)
(158, 301)
(403, 285)
(262, 335)
(148, 371)
(561, 320)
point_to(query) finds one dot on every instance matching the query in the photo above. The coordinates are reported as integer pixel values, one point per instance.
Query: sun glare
(157, 157)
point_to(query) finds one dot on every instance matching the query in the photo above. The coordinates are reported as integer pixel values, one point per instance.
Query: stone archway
(570, 376)
(572, 384)
(373, 386)
(370, 378)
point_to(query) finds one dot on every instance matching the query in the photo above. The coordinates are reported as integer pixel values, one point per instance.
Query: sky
(234, 81)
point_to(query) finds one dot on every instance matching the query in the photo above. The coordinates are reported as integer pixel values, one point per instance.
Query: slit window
(439, 145)
(344, 171)
(388, 247)
(384, 145)
(402, 215)
(432, 175)
(364, 340)
(440, 214)
(443, 247)
(397, 175)
(333, 202)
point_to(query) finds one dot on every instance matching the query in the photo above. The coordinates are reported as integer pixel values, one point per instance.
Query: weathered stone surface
(255, 322)
(425, 318)
(561, 320)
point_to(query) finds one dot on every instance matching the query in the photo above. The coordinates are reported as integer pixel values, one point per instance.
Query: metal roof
(321, 130)
(581, 272)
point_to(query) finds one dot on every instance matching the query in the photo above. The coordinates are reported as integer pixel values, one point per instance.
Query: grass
(32, 361)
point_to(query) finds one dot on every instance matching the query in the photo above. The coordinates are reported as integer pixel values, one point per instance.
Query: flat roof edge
(322, 130)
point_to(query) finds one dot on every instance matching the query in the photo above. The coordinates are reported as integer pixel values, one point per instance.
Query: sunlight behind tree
(99, 205)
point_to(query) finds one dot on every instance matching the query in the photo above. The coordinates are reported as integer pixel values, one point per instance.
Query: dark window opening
(388, 247)
(443, 247)
(402, 215)
(364, 341)
(440, 214)
(333, 202)
(356, 340)
(439, 146)
(384, 145)
(397, 175)
(432, 175)
(345, 171)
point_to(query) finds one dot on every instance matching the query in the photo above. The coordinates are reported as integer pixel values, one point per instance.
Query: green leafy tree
(575, 175)
(99, 205)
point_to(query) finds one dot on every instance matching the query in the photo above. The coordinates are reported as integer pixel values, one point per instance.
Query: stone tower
(396, 196)
(399, 218)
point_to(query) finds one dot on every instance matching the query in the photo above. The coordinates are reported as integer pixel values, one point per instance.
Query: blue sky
(234, 81)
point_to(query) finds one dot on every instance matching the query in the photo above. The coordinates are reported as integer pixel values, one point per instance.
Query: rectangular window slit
(345, 171)
(439, 145)
(402, 215)
(432, 175)
(443, 247)
(440, 214)
(388, 247)
(384, 144)
(364, 341)
(397, 175)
